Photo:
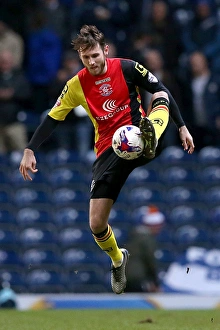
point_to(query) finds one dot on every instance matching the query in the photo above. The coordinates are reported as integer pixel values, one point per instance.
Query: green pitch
(110, 320)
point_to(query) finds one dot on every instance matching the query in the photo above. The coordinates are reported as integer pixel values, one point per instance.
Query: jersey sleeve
(71, 97)
(42, 132)
(141, 77)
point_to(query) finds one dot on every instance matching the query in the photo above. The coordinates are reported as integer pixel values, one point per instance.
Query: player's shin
(107, 242)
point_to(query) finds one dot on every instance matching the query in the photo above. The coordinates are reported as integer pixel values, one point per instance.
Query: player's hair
(88, 37)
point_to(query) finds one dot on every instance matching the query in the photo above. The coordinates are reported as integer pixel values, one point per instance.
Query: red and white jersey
(111, 99)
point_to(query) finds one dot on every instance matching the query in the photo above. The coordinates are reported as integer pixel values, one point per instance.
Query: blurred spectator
(8, 297)
(163, 33)
(44, 52)
(79, 138)
(152, 59)
(14, 96)
(14, 14)
(11, 41)
(113, 17)
(57, 19)
(201, 90)
(202, 33)
(142, 273)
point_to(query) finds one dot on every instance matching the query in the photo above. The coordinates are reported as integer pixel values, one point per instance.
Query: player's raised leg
(104, 236)
(155, 123)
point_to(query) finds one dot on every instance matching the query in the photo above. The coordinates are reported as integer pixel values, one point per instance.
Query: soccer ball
(127, 142)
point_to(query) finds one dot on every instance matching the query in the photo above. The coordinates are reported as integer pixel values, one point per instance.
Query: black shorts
(110, 173)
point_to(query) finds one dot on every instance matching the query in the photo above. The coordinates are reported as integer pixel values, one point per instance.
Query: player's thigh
(99, 210)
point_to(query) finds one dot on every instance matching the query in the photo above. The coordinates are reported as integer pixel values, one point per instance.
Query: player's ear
(106, 50)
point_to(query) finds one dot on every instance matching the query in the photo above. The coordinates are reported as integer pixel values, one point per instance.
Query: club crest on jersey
(105, 89)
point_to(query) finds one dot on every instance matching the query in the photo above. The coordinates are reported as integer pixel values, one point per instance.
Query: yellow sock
(159, 117)
(108, 244)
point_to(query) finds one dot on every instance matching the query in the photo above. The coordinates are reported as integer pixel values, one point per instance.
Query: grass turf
(110, 319)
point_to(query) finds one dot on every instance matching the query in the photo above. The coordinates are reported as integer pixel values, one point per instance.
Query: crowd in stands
(178, 40)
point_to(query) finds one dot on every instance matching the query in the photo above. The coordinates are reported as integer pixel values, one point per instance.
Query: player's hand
(187, 140)
(28, 163)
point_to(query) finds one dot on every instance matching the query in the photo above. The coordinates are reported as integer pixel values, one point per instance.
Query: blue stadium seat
(59, 157)
(73, 258)
(68, 216)
(175, 155)
(144, 195)
(6, 197)
(8, 238)
(143, 175)
(44, 281)
(9, 259)
(63, 176)
(69, 237)
(14, 159)
(29, 196)
(121, 232)
(214, 217)
(67, 196)
(4, 160)
(215, 238)
(212, 195)
(17, 180)
(4, 175)
(165, 238)
(33, 216)
(189, 235)
(29, 119)
(210, 175)
(164, 257)
(182, 194)
(37, 257)
(209, 155)
(7, 217)
(89, 280)
(33, 237)
(120, 213)
(185, 214)
(15, 279)
(177, 175)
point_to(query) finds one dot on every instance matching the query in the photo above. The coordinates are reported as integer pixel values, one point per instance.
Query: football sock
(107, 242)
(159, 115)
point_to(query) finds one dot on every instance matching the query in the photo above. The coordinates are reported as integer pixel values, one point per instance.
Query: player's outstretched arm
(187, 140)
(28, 163)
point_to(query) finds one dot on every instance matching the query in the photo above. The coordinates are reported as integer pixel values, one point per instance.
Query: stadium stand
(45, 223)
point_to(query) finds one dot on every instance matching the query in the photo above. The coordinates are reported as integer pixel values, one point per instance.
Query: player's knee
(97, 226)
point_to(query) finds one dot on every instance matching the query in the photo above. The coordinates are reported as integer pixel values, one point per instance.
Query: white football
(127, 142)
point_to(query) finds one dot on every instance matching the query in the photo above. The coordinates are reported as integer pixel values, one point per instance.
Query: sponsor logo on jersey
(98, 82)
(105, 90)
(92, 185)
(111, 107)
(141, 69)
(151, 78)
(64, 91)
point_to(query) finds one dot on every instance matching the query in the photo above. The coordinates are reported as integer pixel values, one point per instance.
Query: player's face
(94, 59)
